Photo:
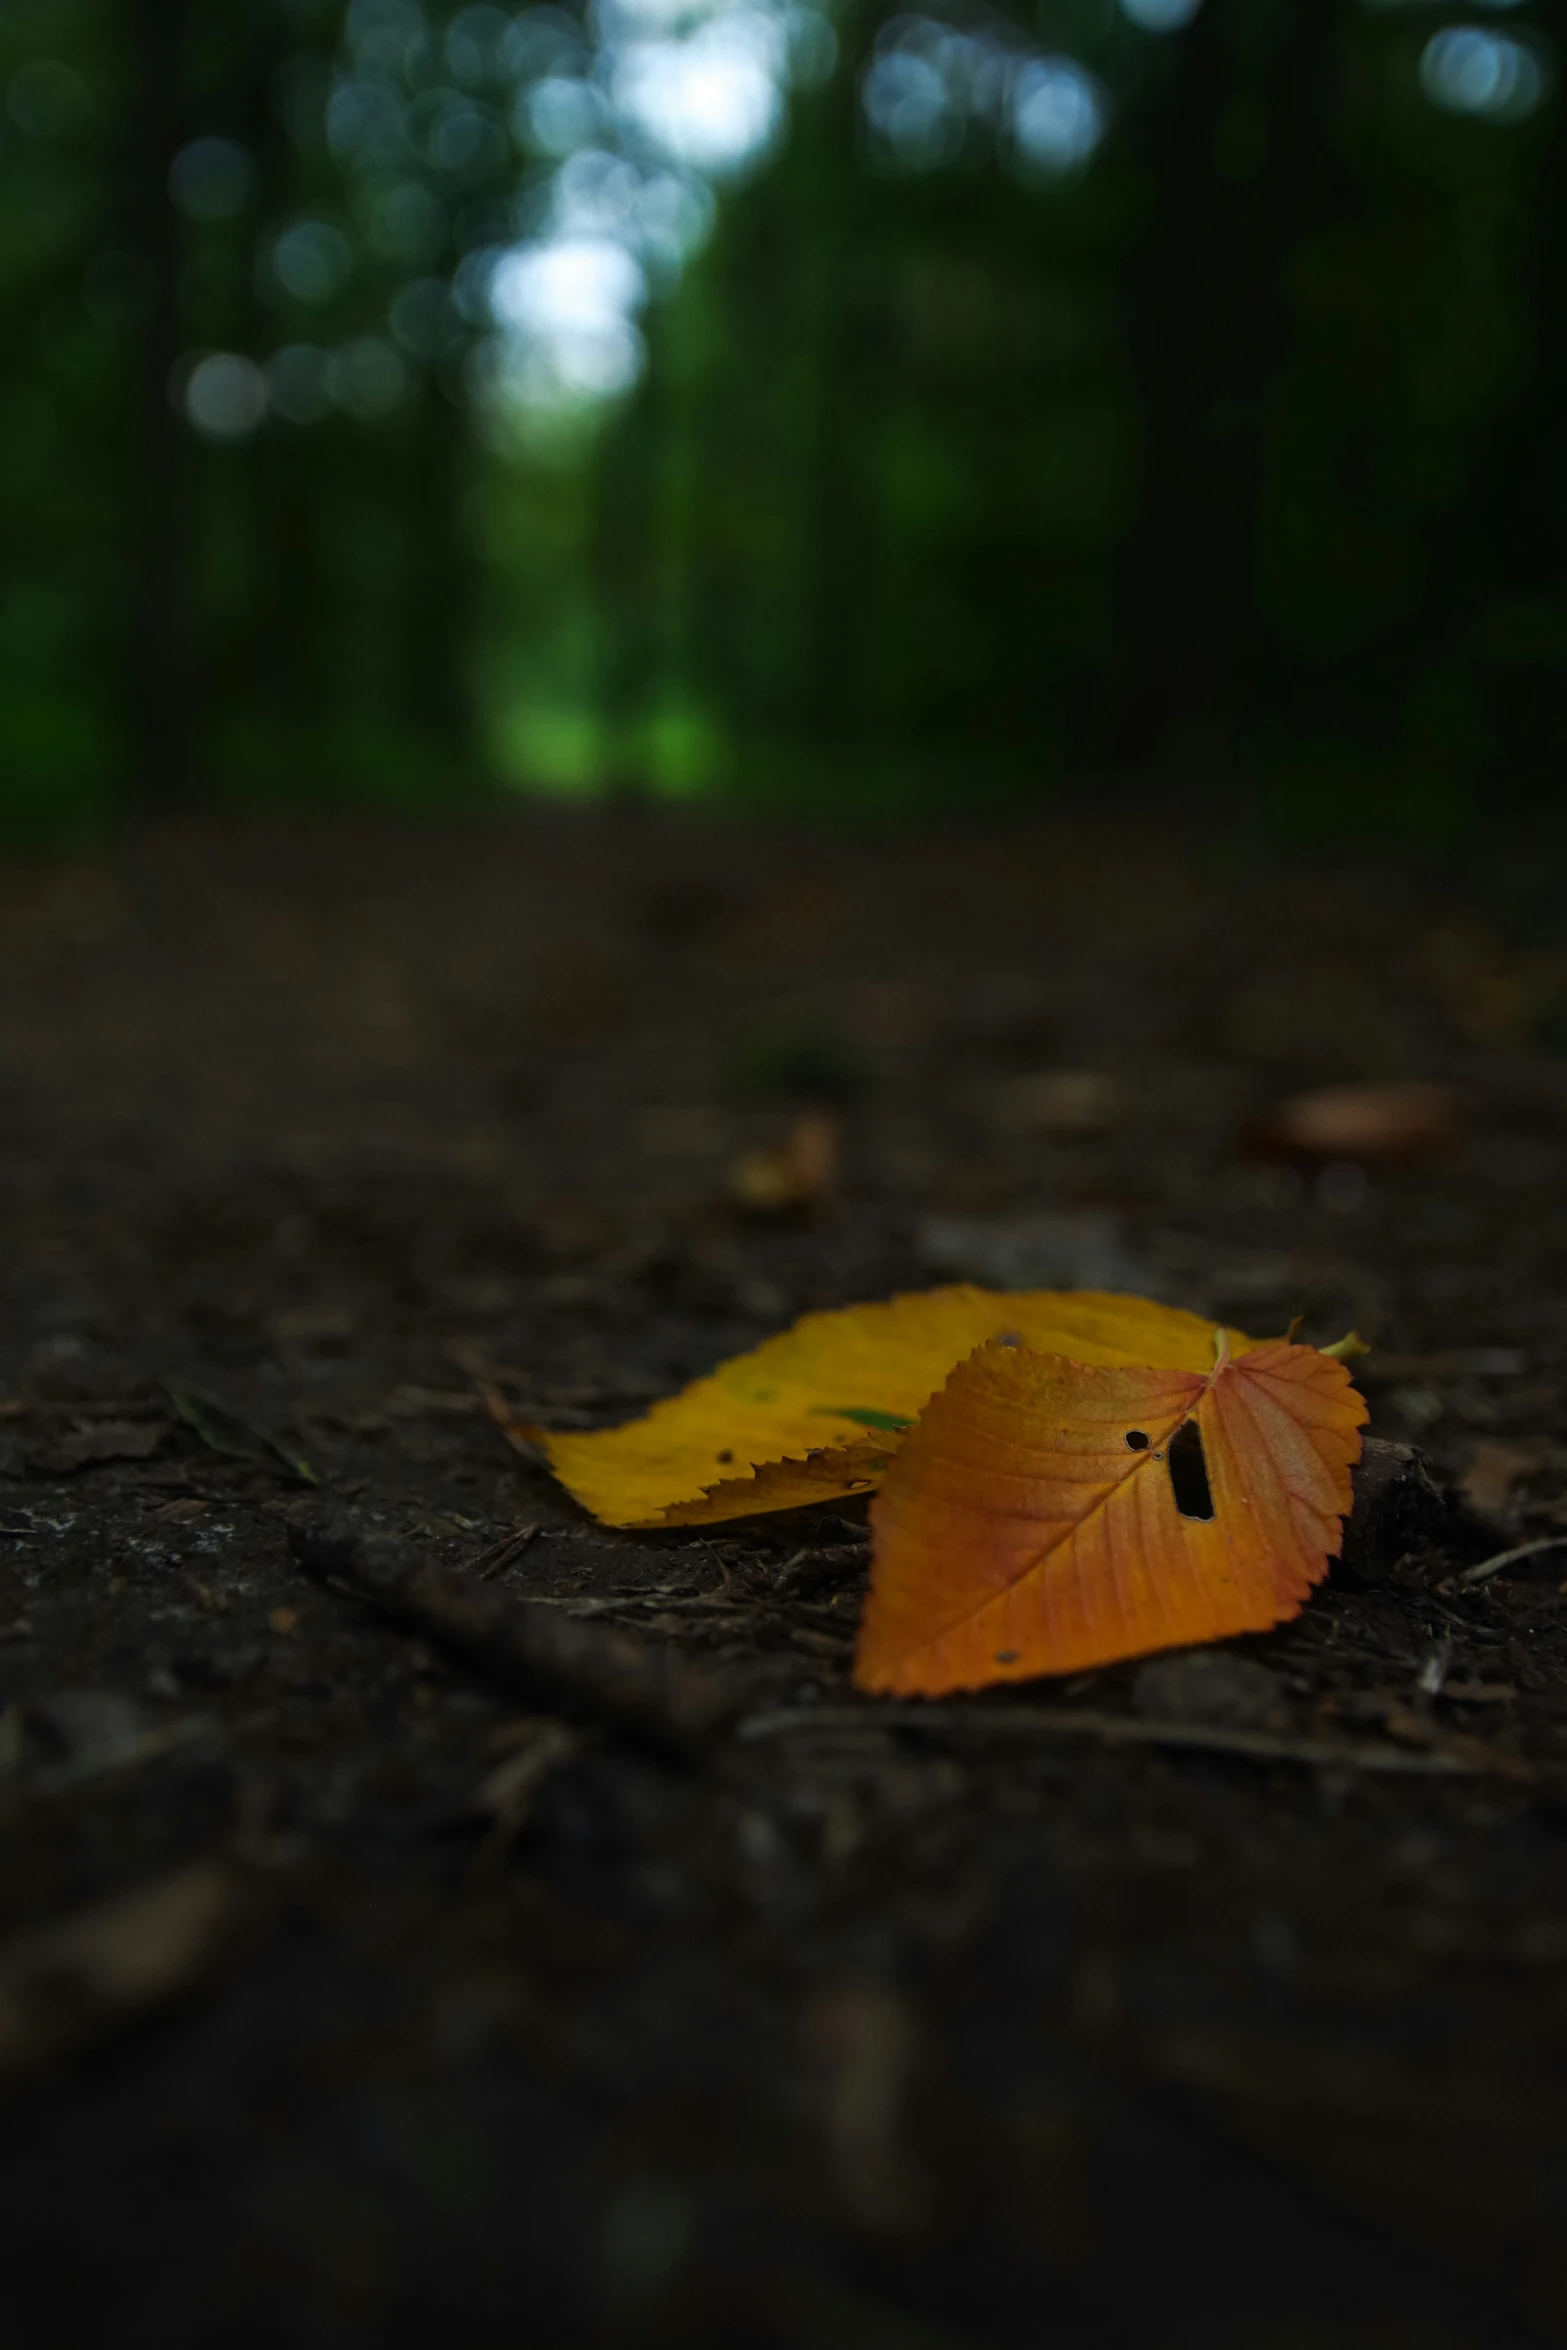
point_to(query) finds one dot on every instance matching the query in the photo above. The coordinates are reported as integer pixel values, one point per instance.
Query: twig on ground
(581, 1605)
(1017, 1721)
(725, 1578)
(684, 1603)
(500, 1554)
(486, 1377)
(1508, 1558)
(648, 1689)
(232, 1436)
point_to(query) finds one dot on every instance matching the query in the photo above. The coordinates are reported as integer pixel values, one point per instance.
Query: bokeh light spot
(714, 99)
(225, 396)
(558, 115)
(1058, 114)
(1160, 16)
(571, 306)
(907, 104)
(1467, 69)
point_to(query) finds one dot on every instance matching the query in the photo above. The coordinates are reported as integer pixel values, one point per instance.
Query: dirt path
(426, 2004)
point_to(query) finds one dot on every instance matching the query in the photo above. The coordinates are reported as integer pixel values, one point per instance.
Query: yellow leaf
(832, 1397)
(1046, 1515)
(784, 1485)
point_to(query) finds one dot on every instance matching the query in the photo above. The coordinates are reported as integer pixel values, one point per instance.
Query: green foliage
(1237, 453)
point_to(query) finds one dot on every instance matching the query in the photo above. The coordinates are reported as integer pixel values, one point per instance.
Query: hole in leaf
(725, 1457)
(1137, 1439)
(1189, 1472)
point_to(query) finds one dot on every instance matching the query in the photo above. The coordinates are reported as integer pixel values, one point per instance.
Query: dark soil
(499, 2025)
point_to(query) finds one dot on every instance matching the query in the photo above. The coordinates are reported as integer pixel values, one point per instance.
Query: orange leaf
(1047, 1515)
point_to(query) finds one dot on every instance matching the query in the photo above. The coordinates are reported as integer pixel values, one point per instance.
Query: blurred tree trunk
(162, 671)
(1530, 444)
(624, 566)
(838, 572)
(441, 600)
(744, 632)
(1466, 681)
(293, 472)
(1237, 143)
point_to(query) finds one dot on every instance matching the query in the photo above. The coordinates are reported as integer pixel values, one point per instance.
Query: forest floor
(344, 1995)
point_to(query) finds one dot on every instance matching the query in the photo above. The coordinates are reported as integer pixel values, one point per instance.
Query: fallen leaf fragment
(819, 1410)
(1048, 1515)
(799, 1173)
(1361, 1123)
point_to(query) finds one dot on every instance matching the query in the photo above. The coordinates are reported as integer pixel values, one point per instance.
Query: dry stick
(653, 1692)
(1019, 1721)
(644, 1688)
(1508, 1558)
(502, 1553)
